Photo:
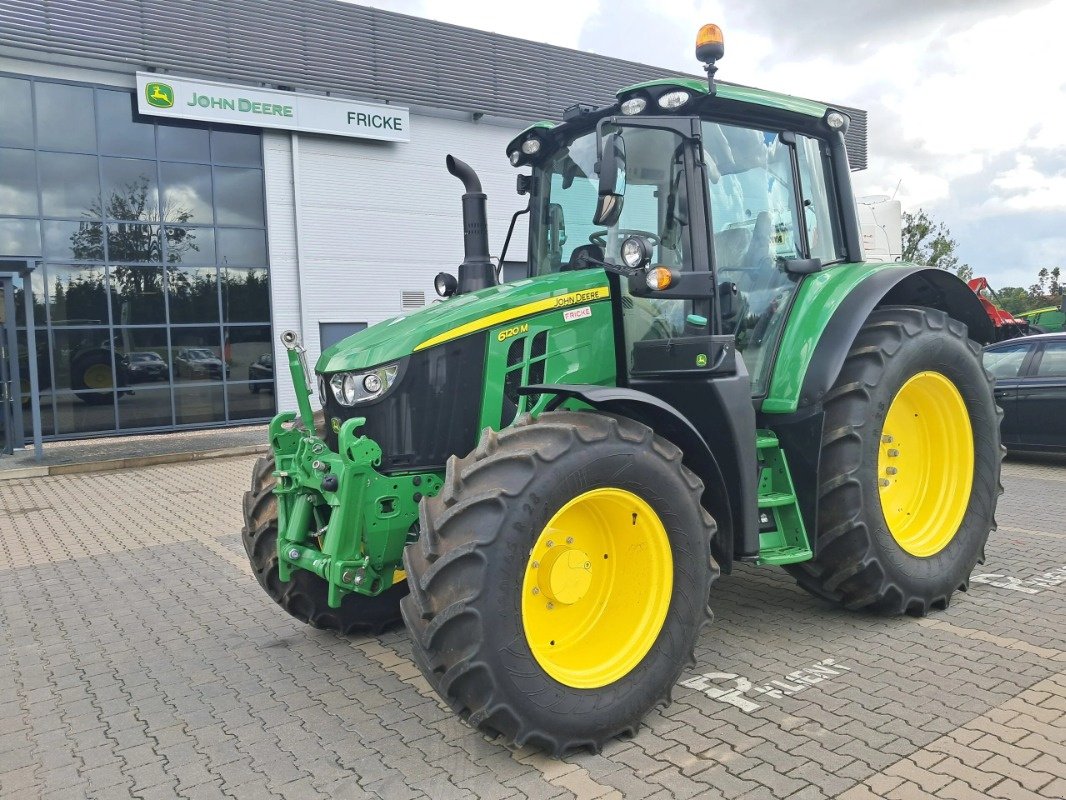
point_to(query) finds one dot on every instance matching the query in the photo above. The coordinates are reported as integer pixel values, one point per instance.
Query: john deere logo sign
(160, 95)
(262, 107)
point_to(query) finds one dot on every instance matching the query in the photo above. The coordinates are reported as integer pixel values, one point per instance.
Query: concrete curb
(134, 462)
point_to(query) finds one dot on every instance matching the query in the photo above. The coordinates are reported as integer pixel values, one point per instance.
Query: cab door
(1041, 399)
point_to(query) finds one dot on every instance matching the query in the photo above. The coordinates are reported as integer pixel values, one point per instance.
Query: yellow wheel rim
(98, 376)
(597, 588)
(925, 464)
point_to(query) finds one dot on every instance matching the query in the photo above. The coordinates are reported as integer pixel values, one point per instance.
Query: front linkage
(338, 517)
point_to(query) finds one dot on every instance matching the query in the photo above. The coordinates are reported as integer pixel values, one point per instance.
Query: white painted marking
(730, 688)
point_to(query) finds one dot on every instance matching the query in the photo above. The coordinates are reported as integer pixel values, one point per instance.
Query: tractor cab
(709, 207)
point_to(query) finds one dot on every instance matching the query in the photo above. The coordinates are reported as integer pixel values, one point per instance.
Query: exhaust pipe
(476, 271)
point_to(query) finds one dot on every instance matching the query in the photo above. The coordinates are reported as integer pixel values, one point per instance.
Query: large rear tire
(910, 467)
(305, 595)
(560, 580)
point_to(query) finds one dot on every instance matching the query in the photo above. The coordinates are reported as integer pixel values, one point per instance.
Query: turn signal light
(659, 278)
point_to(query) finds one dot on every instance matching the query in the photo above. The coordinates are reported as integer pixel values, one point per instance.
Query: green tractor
(543, 478)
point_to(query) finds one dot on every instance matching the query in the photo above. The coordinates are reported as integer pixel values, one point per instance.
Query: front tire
(910, 467)
(305, 596)
(560, 580)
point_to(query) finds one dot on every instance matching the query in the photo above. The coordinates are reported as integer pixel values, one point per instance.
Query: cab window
(823, 231)
(755, 223)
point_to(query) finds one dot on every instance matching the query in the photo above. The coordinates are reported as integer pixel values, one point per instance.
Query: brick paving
(138, 658)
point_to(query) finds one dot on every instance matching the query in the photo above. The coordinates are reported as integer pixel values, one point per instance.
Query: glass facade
(151, 297)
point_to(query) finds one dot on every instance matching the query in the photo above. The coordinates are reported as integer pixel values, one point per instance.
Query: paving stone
(190, 682)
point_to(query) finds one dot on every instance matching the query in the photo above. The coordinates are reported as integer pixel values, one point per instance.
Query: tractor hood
(460, 316)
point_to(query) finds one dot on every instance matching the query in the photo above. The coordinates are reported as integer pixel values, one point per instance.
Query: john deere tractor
(543, 478)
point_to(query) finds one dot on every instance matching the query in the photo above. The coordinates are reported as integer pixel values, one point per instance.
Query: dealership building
(179, 183)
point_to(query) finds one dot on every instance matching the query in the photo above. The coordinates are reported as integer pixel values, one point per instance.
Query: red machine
(1007, 325)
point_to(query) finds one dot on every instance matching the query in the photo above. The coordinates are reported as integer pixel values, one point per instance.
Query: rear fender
(832, 306)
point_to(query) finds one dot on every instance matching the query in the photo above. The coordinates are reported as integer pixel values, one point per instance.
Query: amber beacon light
(710, 47)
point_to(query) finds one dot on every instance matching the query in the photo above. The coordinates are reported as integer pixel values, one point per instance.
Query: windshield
(653, 205)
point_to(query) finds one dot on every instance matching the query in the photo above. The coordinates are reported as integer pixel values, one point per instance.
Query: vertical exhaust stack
(476, 271)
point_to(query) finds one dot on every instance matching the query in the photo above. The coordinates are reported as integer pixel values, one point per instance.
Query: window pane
(182, 143)
(130, 189)
(65, 117)
(821, 223)
(197, 354)
(186, 193)
(64, 239)
(119, 134)
(18, 182)
(189, 245)
(236, 147)
(1005, 362)
(84, 412)
(82, 361)
(20, 237)
(37, 295)
(130, 241)
(199, 404)
(756, 222)
(239, 196)
(245, 294)
(137, 295)
(144, 408)
(70, 185)
(77, 294)
(243, 348)
(44, 370)
(241, 246)
(16, 123)
(1053, 362)
(193, 294)
(250, 400)
(142, 357)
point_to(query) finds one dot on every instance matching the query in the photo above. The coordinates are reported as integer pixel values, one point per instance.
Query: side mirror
(801, 266)
(612, 168)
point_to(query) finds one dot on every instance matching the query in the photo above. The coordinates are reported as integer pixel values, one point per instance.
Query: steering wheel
(600, 237)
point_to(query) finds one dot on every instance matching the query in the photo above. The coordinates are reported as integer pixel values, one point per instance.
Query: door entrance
(10, 383)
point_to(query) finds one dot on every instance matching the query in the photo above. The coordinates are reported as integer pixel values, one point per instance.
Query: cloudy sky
(967, 98)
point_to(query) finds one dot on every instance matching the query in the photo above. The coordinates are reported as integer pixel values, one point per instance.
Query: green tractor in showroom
(543, 478)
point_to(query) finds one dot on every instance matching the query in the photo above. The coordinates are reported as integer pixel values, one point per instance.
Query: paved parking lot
(139, 658)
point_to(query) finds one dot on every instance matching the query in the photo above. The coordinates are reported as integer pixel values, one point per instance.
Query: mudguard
(725, 506)
(832, 306)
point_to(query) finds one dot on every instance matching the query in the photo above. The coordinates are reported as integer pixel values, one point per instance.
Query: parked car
(1030, 378)
(199, 362)
(146, 366)
(262, 369)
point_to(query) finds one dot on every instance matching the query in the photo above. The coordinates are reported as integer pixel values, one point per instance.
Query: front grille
(432, 412)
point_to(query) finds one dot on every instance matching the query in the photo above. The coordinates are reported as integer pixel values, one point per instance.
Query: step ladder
(782, 535)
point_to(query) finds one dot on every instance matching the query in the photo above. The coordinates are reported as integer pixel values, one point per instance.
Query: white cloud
(966, 97)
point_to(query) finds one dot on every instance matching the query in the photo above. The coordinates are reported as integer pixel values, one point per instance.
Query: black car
(1030, 378)
(262, 369)
(147, 366)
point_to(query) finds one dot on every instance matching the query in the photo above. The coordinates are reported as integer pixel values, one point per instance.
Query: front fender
(668, 422)
(830, 308)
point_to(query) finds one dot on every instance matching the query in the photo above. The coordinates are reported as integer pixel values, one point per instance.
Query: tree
(927, 241)
(1015, 299)
(1048, 289)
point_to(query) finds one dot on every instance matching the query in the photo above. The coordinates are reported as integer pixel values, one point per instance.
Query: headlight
(350, 388)
(531, 146)
(635, 252)
(634, 105)
(672, 100)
